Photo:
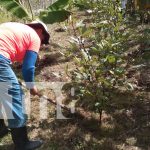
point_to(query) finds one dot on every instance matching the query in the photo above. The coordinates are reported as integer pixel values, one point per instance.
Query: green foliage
(97, 48)
(51, 17)
(14, 8)
(145, 45)
(55, 12)
(58, 5)
(82, 4)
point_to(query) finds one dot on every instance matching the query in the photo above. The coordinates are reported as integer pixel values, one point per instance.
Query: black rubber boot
(3, 129)
(21, 141)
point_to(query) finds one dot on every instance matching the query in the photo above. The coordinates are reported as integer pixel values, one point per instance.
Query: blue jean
(11, 96)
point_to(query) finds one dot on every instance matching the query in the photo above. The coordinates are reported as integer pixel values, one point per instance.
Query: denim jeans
(11, 96)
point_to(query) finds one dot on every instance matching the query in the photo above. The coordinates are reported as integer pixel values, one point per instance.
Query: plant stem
(30, 7)
(100, 116)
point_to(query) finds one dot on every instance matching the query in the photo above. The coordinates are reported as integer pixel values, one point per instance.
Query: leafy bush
(14, 8)
(98, 47)
(54, 13)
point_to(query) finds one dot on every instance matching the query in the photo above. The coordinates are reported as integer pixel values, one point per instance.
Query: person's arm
(28, 69)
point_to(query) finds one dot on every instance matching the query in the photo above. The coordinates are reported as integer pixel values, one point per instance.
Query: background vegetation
(103, 52)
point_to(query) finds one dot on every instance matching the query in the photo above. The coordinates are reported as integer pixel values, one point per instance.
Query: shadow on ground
(125, 126)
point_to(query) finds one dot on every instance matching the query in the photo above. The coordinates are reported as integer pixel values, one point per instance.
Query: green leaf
(147, 31)
(87, 33)
(51, 17)
(94, 51)
(98, 72)
(111, 59)
(74, 46)
(14, 8)
(82, 30)
(58, 5)
(80, 5)
(77, 60)
(119, 71)
(146, 56)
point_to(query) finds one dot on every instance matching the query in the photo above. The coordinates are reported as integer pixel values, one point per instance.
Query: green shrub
(100, 66)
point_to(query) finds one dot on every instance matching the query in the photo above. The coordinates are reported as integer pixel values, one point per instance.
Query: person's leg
(18, 124)
(11, 96)
(12, 100)
(3, 129)
(21, 141)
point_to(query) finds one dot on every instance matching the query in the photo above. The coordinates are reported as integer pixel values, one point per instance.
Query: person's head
(41, 30)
